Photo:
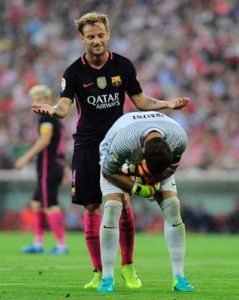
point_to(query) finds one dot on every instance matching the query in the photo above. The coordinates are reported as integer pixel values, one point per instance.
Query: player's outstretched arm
(42, 142)
(143, 102)
(60, 110)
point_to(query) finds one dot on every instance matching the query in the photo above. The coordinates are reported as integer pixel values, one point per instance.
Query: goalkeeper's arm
(127, 185)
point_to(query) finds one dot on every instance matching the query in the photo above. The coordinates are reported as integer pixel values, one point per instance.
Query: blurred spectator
(26, 218)
(74, 218)
(179, 48)
(233, 219)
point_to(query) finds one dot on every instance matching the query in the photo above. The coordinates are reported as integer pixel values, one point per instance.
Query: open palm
(42, 109)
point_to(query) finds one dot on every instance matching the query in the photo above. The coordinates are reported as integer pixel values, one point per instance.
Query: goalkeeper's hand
(145, 191)
(135, 173)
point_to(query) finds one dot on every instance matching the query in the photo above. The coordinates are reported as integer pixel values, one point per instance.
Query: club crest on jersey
(101, 82)
(116, 81)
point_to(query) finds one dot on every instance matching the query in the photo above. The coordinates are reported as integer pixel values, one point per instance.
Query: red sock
(127, 231)
(92, 237)
(38, 219)
(56, 223)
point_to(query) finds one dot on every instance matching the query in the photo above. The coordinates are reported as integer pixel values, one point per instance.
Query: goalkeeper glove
(145, 191)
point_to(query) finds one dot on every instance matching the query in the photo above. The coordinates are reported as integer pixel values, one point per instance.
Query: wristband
(141, 190)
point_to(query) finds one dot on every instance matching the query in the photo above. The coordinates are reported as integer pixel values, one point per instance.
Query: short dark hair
(158, 155)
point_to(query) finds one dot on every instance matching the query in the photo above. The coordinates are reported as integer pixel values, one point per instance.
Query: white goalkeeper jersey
(124, 139)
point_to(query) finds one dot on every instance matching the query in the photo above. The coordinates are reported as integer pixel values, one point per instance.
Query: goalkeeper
(152, 144)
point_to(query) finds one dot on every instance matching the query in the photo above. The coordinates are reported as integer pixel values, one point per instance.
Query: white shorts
(108, 187)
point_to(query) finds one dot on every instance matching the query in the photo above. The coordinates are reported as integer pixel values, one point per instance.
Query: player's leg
(92, 220)
(56, 223)
(109, 232)
(55, 216)
(86, 191)
(127, 234)
(38, 219)
(174, 232)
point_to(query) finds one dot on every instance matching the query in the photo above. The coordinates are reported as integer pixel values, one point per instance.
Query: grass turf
(212, 265)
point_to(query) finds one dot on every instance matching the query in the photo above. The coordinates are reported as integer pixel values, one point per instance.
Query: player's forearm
(146, 103)
(59, 111)
(62, 108)
(39, 146)
(121, 180)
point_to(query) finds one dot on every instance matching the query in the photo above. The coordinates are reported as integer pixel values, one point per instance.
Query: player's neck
(96, 61)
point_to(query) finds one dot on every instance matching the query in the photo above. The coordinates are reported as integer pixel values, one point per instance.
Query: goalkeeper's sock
(92, 237)
(109, 236)
(174, 233)
(57, 225)
(38, 227)
(127, 231)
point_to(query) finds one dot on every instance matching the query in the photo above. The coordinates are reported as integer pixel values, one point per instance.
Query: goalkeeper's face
(95, 38)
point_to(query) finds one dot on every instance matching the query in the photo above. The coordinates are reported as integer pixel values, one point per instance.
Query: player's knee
(92, 208)
(112, 212)
(171, 210)
(35, 205)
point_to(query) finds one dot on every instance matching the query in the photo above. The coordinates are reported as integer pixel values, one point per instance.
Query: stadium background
(179, 48)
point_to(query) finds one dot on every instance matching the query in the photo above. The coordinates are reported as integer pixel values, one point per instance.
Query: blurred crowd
(188, 48)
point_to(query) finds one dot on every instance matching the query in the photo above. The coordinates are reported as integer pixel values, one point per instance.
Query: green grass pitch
(212, 265)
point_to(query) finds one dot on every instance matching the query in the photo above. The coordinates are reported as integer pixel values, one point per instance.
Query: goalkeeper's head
(158, 156)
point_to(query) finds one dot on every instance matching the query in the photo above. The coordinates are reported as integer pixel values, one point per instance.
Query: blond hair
(40, 88)
(90, 19)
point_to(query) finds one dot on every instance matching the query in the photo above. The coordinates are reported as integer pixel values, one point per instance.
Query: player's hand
(145, 191)
(137, 173)
(43, 109)
(178, 103)
(21, 162)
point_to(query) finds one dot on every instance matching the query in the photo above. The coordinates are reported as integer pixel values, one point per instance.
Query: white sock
(109, 236)
(174, 233)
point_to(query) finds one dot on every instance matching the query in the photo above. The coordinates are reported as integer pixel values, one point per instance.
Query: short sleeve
(133, 87)
(68, 85)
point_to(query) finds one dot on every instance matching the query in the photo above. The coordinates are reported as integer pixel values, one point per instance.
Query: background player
(155, 143)
(98, 81)
(50, 151)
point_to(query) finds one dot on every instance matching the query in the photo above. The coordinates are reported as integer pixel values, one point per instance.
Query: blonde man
(50, 151)
(97, 81)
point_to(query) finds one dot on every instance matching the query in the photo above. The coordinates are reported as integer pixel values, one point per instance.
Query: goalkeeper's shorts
(108, 187)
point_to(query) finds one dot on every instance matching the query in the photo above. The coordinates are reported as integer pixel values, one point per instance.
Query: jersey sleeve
(46, 129)
(114, 155)
(46, 125)
(133, 87)
(68, 85)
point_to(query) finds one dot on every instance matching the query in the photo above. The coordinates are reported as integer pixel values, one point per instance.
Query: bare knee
(92, 208)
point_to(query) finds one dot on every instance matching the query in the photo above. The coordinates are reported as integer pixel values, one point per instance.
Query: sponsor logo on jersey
(101, 82)
(86, 85)
(116, 81)
(104, 101)
(63, 84)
